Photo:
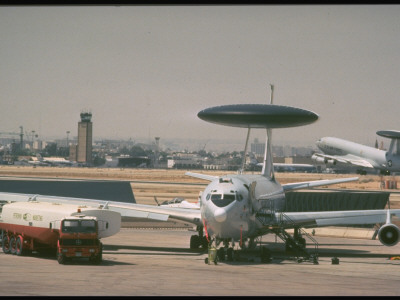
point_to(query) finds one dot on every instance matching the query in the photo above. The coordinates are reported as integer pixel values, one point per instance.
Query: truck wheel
(97, 260)
(6, 244)
(19, 244)
(13, 248)
(61, 258)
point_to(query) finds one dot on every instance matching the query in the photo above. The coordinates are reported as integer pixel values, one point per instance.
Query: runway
(158, 262)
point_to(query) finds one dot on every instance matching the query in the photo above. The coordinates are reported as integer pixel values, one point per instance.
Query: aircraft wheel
(6, 244)
(288, 246)
(302, 243)
(194, 242)
(19, 246)
(265, 255)
(229, 254)
(221, 254)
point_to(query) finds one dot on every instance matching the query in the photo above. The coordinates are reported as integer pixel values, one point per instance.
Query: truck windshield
(81, 226)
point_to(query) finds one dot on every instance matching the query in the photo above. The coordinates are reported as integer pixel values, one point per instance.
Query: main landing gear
(227, 252)
(197, 241)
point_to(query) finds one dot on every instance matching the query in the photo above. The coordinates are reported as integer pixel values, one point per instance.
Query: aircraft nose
(220, 215)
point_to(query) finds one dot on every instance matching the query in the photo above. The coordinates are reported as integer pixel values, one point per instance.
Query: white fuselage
(379, 159)
(228, 206)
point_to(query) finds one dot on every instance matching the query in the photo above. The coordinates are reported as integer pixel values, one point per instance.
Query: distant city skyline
(146, 71)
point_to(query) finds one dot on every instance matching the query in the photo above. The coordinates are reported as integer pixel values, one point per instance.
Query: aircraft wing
(310, 184)
(333, 218)
(134, 210)
(347, 159)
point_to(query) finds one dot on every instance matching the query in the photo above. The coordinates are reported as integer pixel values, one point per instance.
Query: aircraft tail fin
(394, 135)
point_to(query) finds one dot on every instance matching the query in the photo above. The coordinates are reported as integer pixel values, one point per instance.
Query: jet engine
(318, 159)
(330, 161)
(389, 234)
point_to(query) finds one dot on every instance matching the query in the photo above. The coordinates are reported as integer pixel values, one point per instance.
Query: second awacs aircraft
(240, 208)
(337, 150)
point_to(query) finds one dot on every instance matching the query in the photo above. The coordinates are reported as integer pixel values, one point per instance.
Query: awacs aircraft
(241, 208)
(336, 150)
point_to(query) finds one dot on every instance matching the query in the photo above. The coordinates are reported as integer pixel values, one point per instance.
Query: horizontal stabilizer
(258, 116)
(202, 176)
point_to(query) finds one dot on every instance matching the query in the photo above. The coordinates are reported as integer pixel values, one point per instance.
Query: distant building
(257, 148)
(72, 152)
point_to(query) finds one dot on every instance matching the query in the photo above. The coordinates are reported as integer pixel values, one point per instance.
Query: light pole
(33, 135)
(67, 138)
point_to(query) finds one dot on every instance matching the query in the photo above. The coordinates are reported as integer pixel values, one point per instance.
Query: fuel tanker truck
(70, 230)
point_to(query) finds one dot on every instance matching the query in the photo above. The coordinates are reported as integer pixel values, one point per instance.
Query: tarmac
(157, 261)
(149, 258)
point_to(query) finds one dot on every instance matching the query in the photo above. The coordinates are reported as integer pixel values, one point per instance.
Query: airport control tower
(84, 149)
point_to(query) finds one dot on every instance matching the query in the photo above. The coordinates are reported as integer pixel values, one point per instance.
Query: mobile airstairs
(296, 244)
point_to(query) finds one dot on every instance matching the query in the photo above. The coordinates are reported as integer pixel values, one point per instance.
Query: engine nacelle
(318, 159)
(330, 162)
(389, 234)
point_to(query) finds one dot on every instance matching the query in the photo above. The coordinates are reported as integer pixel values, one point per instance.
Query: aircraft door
(252, 196)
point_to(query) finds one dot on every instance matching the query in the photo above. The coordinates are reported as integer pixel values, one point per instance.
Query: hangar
(331, 200)
(92, 189)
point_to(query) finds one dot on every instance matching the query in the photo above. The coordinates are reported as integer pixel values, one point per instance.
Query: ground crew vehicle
(69, 230)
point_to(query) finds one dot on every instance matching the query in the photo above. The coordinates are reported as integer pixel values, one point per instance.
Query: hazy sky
(146, 71)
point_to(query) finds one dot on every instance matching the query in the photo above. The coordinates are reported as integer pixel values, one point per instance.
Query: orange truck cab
(78, 238)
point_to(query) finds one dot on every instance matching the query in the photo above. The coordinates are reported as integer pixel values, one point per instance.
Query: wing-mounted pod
(389, 233)
(258, 116)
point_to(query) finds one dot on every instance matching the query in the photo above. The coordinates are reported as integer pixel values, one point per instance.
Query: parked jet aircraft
(240, 208)
(336, 150)
(50, 161)
(178, 202)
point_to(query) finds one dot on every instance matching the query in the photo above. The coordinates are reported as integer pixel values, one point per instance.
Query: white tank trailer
(72, 231)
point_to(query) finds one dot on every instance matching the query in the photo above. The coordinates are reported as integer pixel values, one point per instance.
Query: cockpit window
(222, 200)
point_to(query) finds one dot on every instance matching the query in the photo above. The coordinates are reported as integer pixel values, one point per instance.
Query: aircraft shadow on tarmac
(278, 254)
(278, 249)
(152, 250)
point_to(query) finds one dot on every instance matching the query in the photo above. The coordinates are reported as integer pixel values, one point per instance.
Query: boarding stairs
(295, 243)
